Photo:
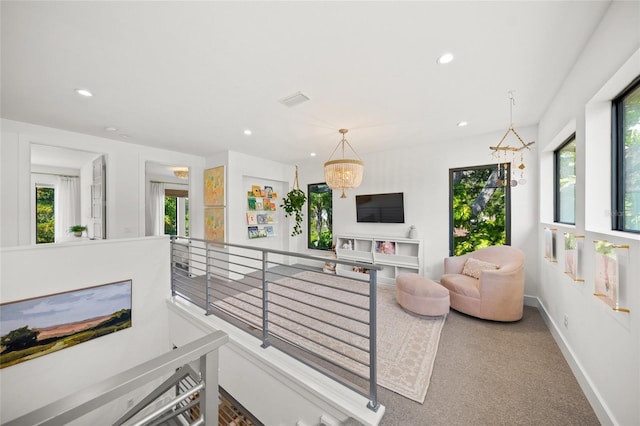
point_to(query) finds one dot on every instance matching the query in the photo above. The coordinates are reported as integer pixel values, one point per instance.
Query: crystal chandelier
(343, 173)
(501, 151)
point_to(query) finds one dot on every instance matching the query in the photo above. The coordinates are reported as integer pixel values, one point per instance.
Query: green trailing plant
(77, 229)
(292, 204)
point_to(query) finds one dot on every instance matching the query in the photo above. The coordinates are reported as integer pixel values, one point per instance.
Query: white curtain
(155, 209)
(66, 206)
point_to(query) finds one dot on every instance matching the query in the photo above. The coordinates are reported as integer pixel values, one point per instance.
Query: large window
(480, 212)
(320, 213)
(626, 159)
(565, 182)
(45, 217)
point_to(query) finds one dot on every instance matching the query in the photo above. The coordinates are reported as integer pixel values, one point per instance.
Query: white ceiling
(191, 76)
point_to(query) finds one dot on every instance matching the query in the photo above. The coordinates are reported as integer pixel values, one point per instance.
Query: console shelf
(394, 255)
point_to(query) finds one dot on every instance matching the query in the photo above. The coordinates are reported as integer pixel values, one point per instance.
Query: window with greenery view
(320, 214)
(45, 217)
(626, 161)
(480, 212)
(176, 215)
(565, 182)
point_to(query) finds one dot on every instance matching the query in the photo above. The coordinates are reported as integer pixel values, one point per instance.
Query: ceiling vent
(295, 99)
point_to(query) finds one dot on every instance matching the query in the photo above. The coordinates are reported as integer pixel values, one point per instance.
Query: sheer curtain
(66, 206)
(155, 209)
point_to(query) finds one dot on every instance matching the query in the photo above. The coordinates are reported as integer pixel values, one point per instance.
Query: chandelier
(343, 173)
(501, 151)
(182, 173)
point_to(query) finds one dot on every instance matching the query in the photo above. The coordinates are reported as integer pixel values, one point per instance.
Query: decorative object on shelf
(343, 173)
(77, 230)
(607, 274)
(571, 255)
(292, 204)
(214, 187)
(501, 151)
(181, 172)
(413, 232)
(550, 244)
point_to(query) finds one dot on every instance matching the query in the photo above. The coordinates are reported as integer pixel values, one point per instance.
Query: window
(626, 159)
(45, 217)
(176, 212)
(565, 182)
(480, 210)
(320, 213)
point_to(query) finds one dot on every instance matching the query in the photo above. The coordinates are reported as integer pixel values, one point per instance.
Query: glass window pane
(320, 213)
(566, 182)
(45, 217)
(631, 160)
(171, 215)
(480, 211)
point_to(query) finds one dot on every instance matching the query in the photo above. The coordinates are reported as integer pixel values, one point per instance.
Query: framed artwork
(606, 279)
(214, 224)
(214, 186)
(550, 244)
(571, 255)
(35, 327)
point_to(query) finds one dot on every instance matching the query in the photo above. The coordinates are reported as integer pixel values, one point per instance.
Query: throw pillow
(473, 267)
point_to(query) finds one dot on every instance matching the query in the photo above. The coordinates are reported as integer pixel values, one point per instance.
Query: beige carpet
(407, 343)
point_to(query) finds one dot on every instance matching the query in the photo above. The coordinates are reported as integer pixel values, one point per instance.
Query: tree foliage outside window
(45, 217)
(172, 216)
(320, 214)
(627, 161)
(479, 210)
(565, 182)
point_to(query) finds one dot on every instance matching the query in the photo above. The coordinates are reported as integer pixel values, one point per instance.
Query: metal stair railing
(74, 406)
(263, 292)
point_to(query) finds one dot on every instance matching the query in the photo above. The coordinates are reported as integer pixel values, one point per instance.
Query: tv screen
(381, 208)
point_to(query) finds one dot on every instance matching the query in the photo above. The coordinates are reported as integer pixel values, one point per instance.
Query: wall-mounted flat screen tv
(380, 208)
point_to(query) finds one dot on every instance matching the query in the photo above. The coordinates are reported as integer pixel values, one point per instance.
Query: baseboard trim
(593, 396)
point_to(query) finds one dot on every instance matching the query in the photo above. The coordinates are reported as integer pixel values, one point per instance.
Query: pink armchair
(498, 292)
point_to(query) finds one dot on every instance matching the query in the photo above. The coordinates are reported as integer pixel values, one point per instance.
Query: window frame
(556, 181)
(309, 242)
(618, 190)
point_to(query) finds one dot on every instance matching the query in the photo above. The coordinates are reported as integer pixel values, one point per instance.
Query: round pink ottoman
(421, 296)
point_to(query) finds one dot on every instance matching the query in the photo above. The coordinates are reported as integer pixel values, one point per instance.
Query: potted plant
(292, 204)
(77, 230)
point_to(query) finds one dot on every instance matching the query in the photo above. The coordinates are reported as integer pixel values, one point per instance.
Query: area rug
(331, 320)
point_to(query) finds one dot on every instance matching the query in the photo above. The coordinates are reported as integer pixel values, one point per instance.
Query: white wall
(125, 180)
(602, 346)
(35, 271)
(422, 173)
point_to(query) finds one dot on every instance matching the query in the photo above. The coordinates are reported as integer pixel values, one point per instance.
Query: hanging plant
(292, 204)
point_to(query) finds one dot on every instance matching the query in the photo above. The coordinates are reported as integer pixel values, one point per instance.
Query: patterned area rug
(331, 320)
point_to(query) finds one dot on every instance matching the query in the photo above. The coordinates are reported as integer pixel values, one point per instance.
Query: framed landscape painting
(214, 186)
(35, 327)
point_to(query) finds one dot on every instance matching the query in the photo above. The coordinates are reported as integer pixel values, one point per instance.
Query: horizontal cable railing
(322, 319)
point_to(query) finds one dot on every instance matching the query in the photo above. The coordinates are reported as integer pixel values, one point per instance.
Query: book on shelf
(270, 218)
(259, 205)
(261, 219)
(269, 231)
(253, 231)
(262, 233)
(252, 203)
(256, 190)
(251, 219)
(268, 191)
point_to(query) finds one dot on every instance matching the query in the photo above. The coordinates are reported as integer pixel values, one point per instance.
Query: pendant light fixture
(343, 173)
(501, 151)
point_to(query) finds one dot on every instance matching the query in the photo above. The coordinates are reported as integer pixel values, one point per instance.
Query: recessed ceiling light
(84, 92)
(313, 154)
(111, 129)
(445, 58)
(462, 123)
(247, 132)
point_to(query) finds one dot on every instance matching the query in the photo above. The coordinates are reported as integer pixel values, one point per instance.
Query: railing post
(207, 281)
(172, 245)
(373, 314)
(265, 296)
(209, 394)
